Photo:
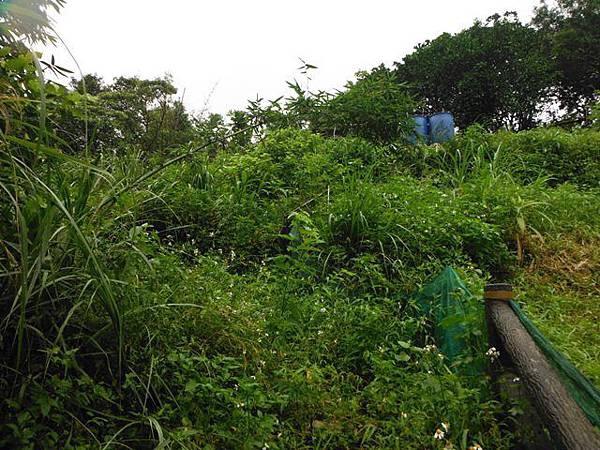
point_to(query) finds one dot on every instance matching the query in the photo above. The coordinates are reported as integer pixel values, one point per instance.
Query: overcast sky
(226, 52)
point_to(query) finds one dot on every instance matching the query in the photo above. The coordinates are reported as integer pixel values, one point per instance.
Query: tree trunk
(569, 427)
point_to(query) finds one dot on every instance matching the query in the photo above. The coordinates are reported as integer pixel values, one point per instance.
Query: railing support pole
(569, 427)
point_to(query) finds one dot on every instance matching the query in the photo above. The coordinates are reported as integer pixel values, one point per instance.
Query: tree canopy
(571, 29)
(493, 73)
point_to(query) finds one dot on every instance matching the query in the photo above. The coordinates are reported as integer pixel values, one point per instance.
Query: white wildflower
(492, 353)
(439, 434)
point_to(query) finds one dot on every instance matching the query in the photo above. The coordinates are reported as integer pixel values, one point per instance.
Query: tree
(572, 34)
(26, 19)
(496, 73)
(130, 112)
(375, 107)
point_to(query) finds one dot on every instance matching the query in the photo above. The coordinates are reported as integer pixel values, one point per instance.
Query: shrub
(375, 107)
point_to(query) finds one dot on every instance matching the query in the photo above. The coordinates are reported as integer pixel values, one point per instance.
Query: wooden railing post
(569, 427)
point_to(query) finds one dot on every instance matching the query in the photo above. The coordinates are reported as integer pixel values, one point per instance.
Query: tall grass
(50, 252)
(53, 257)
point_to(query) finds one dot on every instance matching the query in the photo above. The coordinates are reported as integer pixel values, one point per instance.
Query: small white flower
(323, 310)
(403, 415)
(475, 446)
(492, 353)
(516, 379)
(265, 447)
(439, 434)
(445, 426)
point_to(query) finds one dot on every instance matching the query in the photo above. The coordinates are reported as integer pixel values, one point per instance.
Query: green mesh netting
(585, 394)
(452, 309)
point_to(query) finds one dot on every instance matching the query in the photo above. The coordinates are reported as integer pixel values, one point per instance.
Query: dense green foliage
(572, 33)
(221, 334)
(495, 74)
(129, 112)
(506, 74)
(375, 107)
(178, 282)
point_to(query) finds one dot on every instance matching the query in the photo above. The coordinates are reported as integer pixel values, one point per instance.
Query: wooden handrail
(568, 426)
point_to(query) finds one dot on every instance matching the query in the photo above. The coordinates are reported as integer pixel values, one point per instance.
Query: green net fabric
(456, 315)
(585, 394)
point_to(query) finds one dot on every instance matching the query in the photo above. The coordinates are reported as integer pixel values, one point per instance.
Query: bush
(375, 107)
(562, 156)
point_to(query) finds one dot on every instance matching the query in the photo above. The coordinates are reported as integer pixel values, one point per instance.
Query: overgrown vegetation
(178, 282)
